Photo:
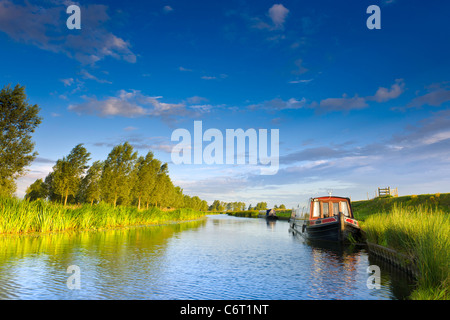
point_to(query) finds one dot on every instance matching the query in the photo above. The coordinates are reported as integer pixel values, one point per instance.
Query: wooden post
(341, 226)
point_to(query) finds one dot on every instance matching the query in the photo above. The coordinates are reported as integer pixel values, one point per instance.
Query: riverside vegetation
(419, 226)
(125, 189)
(21, 216)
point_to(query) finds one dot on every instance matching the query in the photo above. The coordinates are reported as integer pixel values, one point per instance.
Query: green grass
(422, 231)
(256, 213)
(246, 214)
(21, 216)
(363, 209)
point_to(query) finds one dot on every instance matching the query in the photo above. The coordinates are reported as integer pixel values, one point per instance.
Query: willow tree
(116, 182)
(18, 120)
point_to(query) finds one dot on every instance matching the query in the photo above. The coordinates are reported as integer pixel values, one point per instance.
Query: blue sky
(356, 109)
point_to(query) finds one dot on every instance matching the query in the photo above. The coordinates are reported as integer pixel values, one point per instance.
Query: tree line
(124, 178)
(221, 206)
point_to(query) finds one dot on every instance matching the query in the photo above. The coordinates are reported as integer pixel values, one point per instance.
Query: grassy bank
(21, 216)
(364, 209)
(255, 213)
(418, 226)
(245, 214)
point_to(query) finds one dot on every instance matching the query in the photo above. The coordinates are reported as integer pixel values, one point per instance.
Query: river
(218, 258)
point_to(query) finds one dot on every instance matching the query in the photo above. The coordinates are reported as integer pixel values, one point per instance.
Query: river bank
(282, 215)
(417, 227)
(21, 216)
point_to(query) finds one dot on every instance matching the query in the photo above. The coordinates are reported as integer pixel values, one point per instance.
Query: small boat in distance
(328, 218)
(269, 214)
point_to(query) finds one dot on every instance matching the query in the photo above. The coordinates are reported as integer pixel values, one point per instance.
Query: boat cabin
(324, 207)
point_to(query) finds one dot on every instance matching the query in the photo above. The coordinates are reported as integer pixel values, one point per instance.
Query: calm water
(218, 258)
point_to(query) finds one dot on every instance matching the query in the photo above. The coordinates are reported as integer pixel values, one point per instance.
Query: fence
(382, 192)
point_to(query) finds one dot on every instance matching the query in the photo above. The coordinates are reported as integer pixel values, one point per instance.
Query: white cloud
(67, 82)
(133, 103)
(184, 69)
(278, 14)
(340, 104)
(435, 98)
(196, 100)
(45, 27)
(86, 75)
(167, 9)
(384, 94)
(300, 81)
(440, 136)
(280, 104)
(300, 69)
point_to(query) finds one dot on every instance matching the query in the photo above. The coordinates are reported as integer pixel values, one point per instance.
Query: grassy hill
(365, 208)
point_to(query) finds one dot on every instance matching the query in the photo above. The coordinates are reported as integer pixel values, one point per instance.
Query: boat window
(325, 209)
(344, 208)
(335, 208)
(316, 210)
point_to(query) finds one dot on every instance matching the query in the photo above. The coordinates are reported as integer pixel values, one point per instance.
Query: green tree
(204, 205)
(116, 176)
(178, 201)
(162, 183)
(37, 190)
(146, 169)
(48, 183)
(261, 206)
(215, 206)
(89, 190)
(18, 120)
(68, 171)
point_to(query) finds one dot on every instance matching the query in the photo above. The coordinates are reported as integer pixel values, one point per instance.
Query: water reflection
(219, 258)
(271, 224)
(344, 266)
(34, 266)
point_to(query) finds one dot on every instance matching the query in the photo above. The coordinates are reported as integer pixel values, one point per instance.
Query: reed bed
(246, 214)
(21, 216)
(424, 233)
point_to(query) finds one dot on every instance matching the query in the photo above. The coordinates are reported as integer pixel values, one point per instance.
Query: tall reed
(21, 216)
(424, 233)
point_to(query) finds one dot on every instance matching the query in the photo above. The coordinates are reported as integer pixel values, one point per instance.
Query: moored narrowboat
(271, 215)
(328, 218)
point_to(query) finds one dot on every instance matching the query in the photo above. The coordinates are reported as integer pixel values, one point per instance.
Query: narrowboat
(328, 218)
(271, 215)
(268, 214)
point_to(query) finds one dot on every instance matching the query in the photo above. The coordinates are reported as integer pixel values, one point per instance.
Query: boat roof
(330, 198)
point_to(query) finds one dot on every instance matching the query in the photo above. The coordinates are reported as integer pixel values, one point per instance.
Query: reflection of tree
(107, 259)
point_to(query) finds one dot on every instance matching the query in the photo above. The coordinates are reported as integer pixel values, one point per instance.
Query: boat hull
(334, 229)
